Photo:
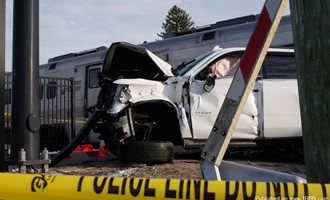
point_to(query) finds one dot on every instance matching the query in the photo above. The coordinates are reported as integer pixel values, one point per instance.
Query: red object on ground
(90, 151)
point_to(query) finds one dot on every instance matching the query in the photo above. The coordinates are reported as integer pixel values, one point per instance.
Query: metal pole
(2, 82)
(25, 109)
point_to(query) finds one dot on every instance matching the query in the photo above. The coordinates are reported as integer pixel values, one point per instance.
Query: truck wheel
(150, 152)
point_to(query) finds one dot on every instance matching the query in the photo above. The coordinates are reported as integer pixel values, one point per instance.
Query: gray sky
(74, 25)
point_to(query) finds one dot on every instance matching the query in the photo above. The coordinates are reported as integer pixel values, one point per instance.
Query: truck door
(92, 86)
(205, 106)
(280, 97)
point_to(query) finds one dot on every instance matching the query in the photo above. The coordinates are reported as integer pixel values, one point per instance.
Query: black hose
(83, 132)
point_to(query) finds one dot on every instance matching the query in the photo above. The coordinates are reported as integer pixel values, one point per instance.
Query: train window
(93, 81)
(8, 96)
(51, 90)
(41, 91)
(52, 66)
(279, 67)
(208, 36)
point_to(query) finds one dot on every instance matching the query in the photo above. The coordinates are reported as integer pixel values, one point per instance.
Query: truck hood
(125, 60)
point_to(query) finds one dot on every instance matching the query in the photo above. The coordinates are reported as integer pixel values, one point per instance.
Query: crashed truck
(145, 106)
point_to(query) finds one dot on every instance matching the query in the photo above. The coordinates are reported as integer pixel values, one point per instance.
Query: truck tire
(150, 152)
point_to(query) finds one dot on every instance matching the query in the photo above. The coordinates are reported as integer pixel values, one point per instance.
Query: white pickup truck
(146, 103)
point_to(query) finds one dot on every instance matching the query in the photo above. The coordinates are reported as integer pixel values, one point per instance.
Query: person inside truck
(224, 67)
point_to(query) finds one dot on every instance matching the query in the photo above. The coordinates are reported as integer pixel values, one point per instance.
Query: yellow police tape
(38, 186)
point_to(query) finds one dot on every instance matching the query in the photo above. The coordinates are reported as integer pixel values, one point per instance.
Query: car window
(185, 67)
(279, 67)
(221, 67)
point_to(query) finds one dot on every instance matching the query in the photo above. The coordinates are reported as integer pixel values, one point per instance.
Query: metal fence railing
(56, 97)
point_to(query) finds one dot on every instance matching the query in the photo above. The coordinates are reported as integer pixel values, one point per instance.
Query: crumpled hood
(125, 60)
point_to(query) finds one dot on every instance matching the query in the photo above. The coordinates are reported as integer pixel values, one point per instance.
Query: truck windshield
(185, 67)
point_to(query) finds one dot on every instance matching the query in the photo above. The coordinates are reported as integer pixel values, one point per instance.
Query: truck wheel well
(164, 117)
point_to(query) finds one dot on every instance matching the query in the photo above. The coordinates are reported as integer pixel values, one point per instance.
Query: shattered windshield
(185, 67)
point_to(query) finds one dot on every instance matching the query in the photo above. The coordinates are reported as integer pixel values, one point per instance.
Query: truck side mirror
(209, 83)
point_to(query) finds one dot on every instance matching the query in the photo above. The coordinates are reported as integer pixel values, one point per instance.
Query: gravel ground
(182, 168)
(186, 166)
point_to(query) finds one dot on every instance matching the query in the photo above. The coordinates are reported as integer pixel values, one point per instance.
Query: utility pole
(25, 146)
(25, 105)
(311, 31)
